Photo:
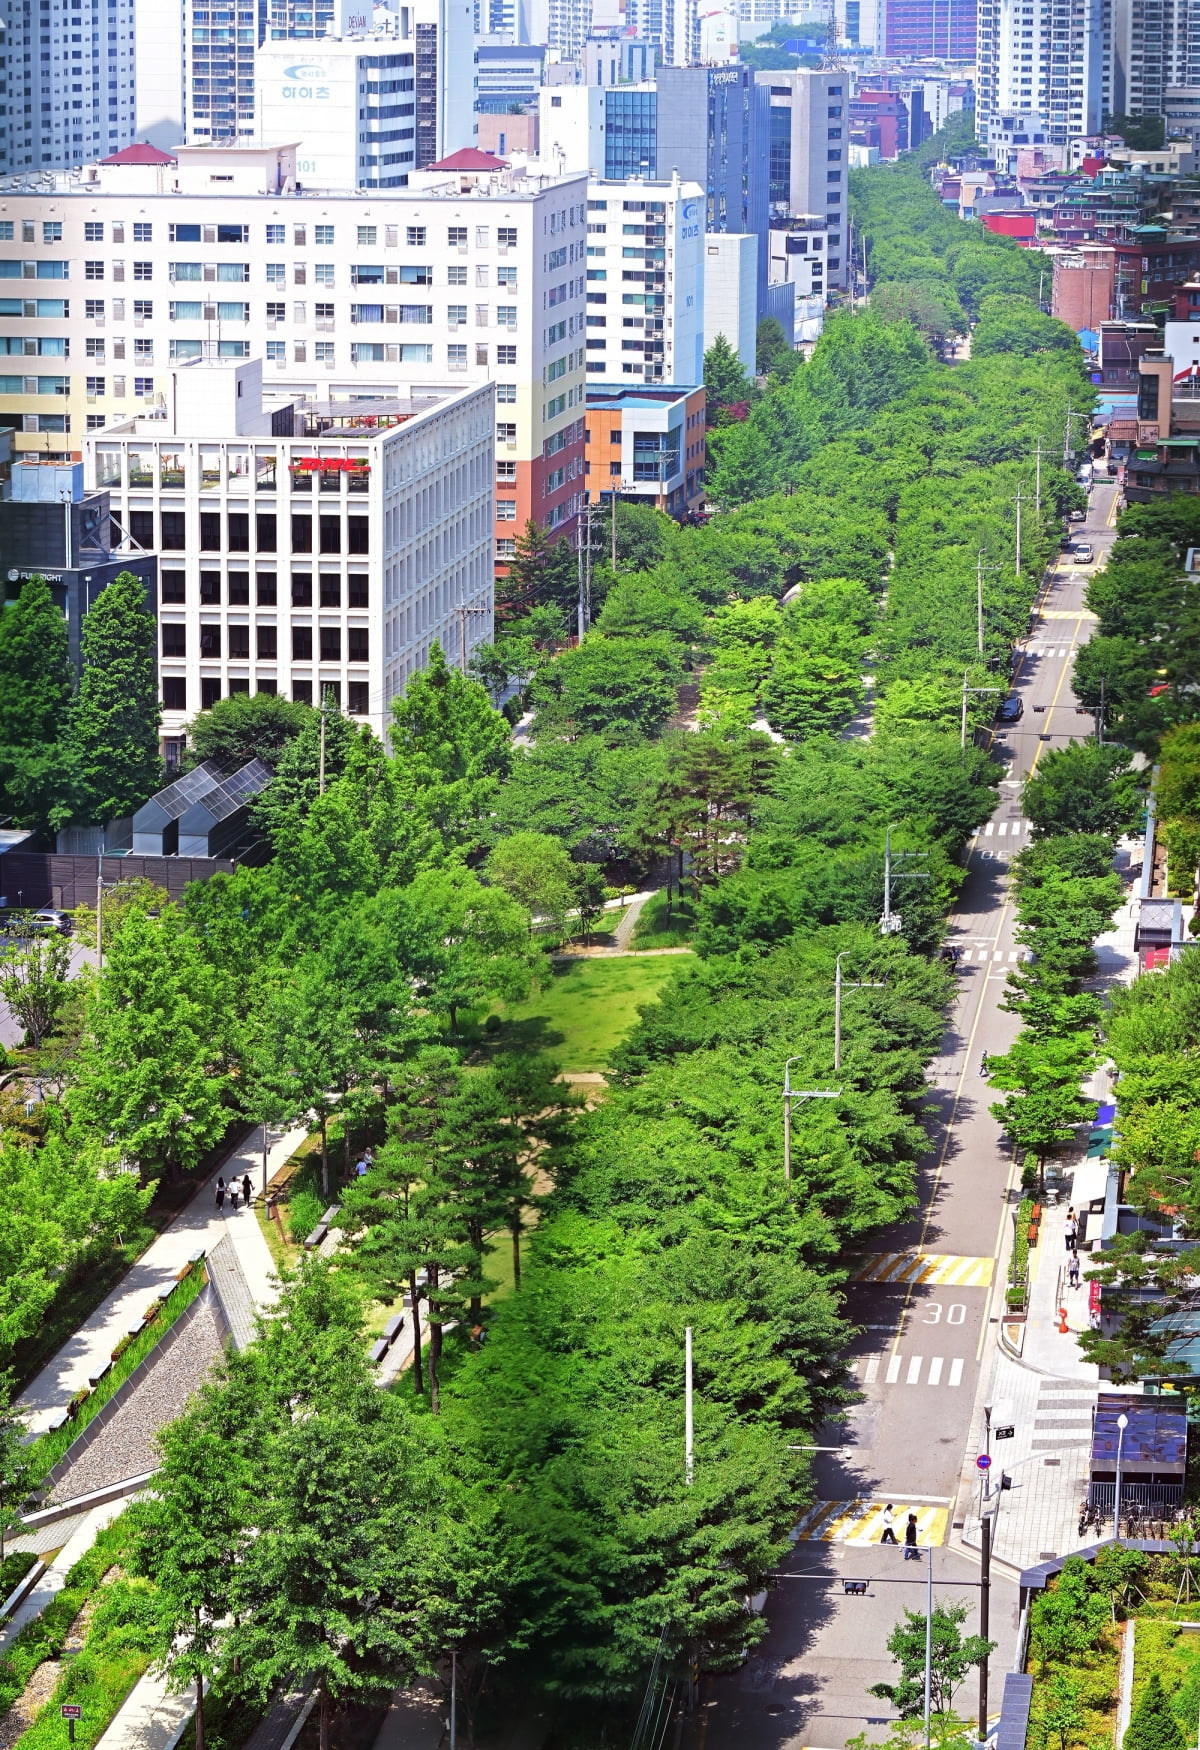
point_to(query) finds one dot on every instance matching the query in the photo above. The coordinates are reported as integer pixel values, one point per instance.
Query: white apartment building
(1154, 44)
(645, 282)
(309, 549)
(472, 277)
(1043, 57)
(70, 83)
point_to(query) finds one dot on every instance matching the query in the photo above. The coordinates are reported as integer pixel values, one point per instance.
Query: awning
(1091, 1181)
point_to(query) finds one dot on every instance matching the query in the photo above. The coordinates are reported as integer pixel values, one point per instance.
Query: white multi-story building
(809, 164)
(305, 550)
(472, 277)
(1043, 57)
(70, 84)
(645, 271)
(730, 292)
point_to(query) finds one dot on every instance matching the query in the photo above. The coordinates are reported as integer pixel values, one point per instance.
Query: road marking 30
(935, 1269)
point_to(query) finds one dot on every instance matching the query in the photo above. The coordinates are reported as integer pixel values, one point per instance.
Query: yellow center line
(983, 992)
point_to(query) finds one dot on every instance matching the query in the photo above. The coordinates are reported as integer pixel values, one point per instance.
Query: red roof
(470, 158)
(139, 153)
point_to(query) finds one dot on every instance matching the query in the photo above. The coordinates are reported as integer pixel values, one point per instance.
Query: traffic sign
(71, 1710)
(983, 1462)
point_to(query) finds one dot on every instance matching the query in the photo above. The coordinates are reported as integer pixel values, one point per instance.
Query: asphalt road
(919, 1357)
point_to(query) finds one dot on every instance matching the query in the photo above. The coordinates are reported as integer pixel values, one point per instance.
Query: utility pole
(453, 1700)
(689, 1442)
(985, 1593)
(890, 923)
(928, 1641)
(1100, 713)
(1017, 566)
(321, 760)
(100, 911)
(1037, 495)
(858, 984)
(980, 568)
(613, 520)
(789, 1094)
(579, 581)
(965, 690)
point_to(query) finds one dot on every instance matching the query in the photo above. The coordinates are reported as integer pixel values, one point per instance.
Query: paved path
(54, 1579)
(198, 1225)
(151, 1717)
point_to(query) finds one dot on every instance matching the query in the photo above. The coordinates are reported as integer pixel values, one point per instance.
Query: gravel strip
(126, 1447)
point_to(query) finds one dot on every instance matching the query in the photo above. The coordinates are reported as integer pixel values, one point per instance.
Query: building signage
(329, 465)
(302, 78)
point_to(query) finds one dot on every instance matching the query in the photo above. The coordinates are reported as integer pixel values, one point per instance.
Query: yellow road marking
(935, 1268)
(860, 1522)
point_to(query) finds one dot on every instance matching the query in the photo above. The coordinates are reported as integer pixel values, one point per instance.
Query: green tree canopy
(246, 726)
(112, 729)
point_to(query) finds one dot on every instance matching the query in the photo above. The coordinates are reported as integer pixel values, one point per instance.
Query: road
(923, 1345)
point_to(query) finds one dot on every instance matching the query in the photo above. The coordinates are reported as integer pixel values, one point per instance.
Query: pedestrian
(368, 1158)
(911, 1552)
(889, 1521)
(360, 1168)
(247, 1189)
(1071, 1231)
(1073, 1270)
(983, 1064)
(233, 1193)
(221, 1195)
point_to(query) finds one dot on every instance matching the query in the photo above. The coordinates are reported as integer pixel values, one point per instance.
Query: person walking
(233, 1193)
(1073, 1270)
(911, 1552)
(360, 1169)
(889, 1522)
(1071, 1230)
(984, 1064)
(221, 1195)
(247, 1189)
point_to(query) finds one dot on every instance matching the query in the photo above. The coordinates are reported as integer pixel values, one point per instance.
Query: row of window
(174, 692)
(237, 642)
(332, 534)
(173, 583)
(323, 236)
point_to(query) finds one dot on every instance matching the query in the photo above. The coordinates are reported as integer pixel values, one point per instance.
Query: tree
(620, 688)
(119, 900)
(151, 1076)
(806, 693)
(1152, 1725)
(35, 693)
(1084, 787)
(17, 1474)
(33, 978)
(536, 870)
(772, 354)
(450, 744)
(1042, 1078)
(543, 571)
(246, 726)
(112, 728)
(1141, 133)
(1061, 1719)
(588, 894)
(284, 806)
(953, 1654)
(726, 384)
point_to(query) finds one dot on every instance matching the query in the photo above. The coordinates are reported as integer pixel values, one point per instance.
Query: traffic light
(854, 1588)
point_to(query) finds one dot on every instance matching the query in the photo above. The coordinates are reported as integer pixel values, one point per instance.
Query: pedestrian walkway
(861, 1522)
(55, 1577)
(907, 1370)
(198, 1226)
(938, 1270)
(151, 1717)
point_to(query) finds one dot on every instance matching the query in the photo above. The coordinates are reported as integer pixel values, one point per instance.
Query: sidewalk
(199, 1225)
(54, 1579)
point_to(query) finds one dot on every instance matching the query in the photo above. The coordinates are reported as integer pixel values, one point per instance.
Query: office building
(914, 30)
(647, 445)
(731, 294)
(509, 75)
(70, 82)
(309, 549)
(368, 111)
(1043, 57)
(617, 59)
(645, 281)
(468, 276)
(808, 162)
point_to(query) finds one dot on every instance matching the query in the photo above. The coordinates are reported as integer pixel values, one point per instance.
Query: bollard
(1062, 1321)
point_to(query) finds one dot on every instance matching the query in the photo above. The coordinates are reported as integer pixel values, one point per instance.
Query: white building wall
(243, 620)
(351, 105)
(571, 123)
(1044, 57)
(70, 86)
(619, 321)
(159, 72)
(730, 292)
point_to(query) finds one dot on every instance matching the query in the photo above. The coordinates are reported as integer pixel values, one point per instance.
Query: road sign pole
(984, 1603)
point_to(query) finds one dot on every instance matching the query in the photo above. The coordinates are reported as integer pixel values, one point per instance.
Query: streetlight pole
(1017, 561)
(980, 568)
(987, 1447)
(965, 690)
(1122, 1424)
(985, 1598)
(689, 1430)
(789, 1094)
(858, 984)
(1037, 497)
(928, 1641)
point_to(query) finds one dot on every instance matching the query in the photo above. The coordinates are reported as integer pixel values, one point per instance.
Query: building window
(143, 232)
(456, 276)
(302, 646)
(301, 589)
(265, 589)
(331, 534)
(93, 309)
(143, 270)
(456, 236)
(268, 643)
(302, 534)
(277, 352)
(357, 589)
(302, 692)
(506, 355)
(358, 698)
(331, 644)
(174, 693)
(358, 535)
(331, 591)
(506, 236)
(367, 235)
(172, 525)
(171, 586)
(506, 547)
(332, 690)
(239, 532)
(210, 692)
(506, 392)
(143, 385)
(95, 385)
(239, 588)
(141, 527)
(359, 644)
(210, 589)
(239, 643)
(51, 230)
(277, 273)
(323, 235)
(276, 233)
(323, 352)
(456, 358)
(506, 510)
(324, 273)
(415, 237)
(174, 640)
(93, 270)
(210, 640)
(93, 231)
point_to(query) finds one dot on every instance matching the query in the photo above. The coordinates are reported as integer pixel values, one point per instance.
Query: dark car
(1011, 709)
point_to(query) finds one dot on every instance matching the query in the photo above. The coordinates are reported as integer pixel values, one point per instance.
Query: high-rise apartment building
(926, 29)
(1043, 57)
(305, 550)
(645, 282)
(808, 160)
(1152, 44)
(468, 276)
(70, 83)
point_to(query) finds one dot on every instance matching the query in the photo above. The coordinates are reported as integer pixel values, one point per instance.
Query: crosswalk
(1004, 829)
(906, 1370)
(1009, 956)
(1054, 651)
(860, 1522)
(936, 1269)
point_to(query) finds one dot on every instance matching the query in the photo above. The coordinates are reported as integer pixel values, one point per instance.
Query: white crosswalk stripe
(1015, 955)
(865, 1368)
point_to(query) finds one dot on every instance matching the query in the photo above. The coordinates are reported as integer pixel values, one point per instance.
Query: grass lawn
(585, 1011)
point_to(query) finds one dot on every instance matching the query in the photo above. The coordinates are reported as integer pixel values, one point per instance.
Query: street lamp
(1122, 1424)
(789, 1094)
(965, 690)
(858, 984)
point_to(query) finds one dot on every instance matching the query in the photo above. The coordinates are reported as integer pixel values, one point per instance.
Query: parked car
(50, 919)
(1082, 553)
(1077, 516)
(1010, 709)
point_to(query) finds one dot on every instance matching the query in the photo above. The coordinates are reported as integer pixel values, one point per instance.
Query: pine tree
(725, 381)
(35, 669)
(112, 732)
(1153, 1725)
